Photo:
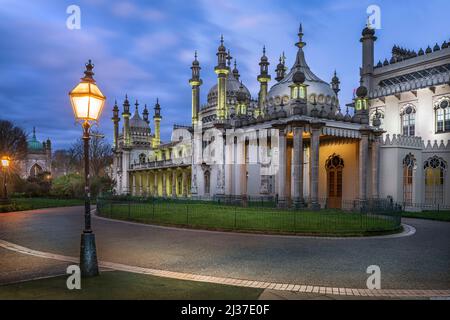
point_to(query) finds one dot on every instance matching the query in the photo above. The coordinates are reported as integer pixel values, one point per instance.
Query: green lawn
(22, 204)
(430, 215)
(123, 285)
(223, 217)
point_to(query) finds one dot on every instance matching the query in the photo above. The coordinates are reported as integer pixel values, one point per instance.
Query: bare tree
(13, 141)
(100, 154)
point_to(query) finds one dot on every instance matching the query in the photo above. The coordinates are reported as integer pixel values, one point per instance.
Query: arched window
(207, 182)
(334, 166)
(408, 118)
(408, 166)
(35, 170)
(142, 158)
(442, 115)
(434, 180)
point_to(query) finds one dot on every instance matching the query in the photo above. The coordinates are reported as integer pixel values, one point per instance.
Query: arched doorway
(334, 166)
(35, 170)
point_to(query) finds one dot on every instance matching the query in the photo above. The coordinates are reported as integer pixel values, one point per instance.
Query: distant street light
(5, 161)
(87, 103)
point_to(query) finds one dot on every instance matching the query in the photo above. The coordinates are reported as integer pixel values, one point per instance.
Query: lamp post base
(88, 256)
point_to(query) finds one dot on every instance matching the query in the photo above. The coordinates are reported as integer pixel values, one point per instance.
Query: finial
(229, 58)
(300, 44)
(34, 132)
(88, 73)
(136, 104)
(221, 39)
(235, 63)
(195, 55)
(264, 50)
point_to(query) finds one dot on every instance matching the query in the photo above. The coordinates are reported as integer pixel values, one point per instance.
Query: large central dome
(318, 90)
(233, 89)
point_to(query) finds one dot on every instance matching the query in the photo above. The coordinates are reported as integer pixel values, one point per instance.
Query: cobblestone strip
(235, 282)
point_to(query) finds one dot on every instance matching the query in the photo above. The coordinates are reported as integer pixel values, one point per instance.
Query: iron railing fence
(255, 215)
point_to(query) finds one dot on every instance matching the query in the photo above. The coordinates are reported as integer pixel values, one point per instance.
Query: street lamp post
(87, 103)
(5, 161)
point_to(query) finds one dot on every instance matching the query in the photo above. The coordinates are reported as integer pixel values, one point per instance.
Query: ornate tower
(195, 83)
(368, 43)
(115, 119)
(126, 122)
(145, 114)
(281, 68)
(222, 72)
(263, 80)
(157, 120)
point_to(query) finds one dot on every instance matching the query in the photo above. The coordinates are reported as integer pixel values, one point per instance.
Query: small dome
(234, 90)
(298, 77)
(33, 144)
(137, 122)
(361, 92)
(368, 31)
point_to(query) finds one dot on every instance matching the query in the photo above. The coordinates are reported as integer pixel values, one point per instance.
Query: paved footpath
(410, 265)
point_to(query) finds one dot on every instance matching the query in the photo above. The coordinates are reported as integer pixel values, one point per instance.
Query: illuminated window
(442, 115)
(408, 117)
(434, 180)
(408, 166)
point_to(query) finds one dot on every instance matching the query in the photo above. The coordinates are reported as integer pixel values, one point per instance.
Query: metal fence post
(129, 210)
(187, 215)
(235, 222)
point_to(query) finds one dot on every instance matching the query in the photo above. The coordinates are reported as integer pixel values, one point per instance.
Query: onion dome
(33, 144)
(241, 96)
(136, 121)
(436, 47)
(379, 64)
(298, 77)
(347, 117)
(361, 92)
(236, 71)
(233, 88)
(428, 51)
(145, 114)
(339, 116)
(445, 45)
(386, 62)
(281, 91)
(421, 52)
(368, 31)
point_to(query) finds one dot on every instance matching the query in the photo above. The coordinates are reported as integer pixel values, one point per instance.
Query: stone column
(140, 184)
(375, 167)
(148, 184)
(281, 167)
(314, 166)
(184, 184)
(298, 167)
(174, 184)
(155, 184)
(134, 184)
(363, 157)
(164, 187)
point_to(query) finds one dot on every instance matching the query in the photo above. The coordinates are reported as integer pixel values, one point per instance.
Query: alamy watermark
(73, 21)
(74, 280)
(374, 280)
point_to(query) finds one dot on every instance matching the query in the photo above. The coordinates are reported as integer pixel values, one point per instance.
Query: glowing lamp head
(86, 98)
(5, 161)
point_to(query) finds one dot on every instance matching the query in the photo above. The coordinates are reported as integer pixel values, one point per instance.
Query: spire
(300, 44)
(145, 114)
(281, 69)
(126, 105)
(137, 105)
(157, 109)
(335, 83)
(221, 55)
(236, 71)
(34, 133)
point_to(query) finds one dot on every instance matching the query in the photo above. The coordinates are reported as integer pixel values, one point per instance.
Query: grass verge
(429, 215)
(114, 285)
(23, 204)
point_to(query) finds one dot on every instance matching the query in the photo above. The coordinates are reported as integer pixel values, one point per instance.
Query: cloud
(130, 10)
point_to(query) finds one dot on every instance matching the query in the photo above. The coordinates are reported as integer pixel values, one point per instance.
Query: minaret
(195, 83)
(281, 68)
(368, 46)
(145, 114)
(222, 72)
(242, 101)
(236, 74)
(157, 120)
(126, 122)
(335, 84)
(263, 80)
(115, 119)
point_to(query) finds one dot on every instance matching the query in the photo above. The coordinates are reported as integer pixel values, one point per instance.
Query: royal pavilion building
(296, 142)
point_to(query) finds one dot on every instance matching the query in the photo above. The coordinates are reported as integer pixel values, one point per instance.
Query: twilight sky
(145, 49)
